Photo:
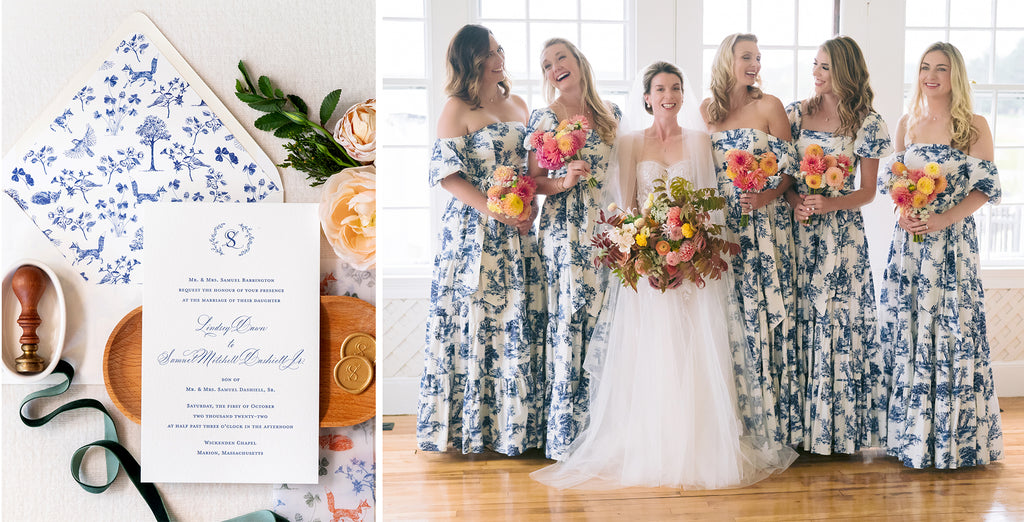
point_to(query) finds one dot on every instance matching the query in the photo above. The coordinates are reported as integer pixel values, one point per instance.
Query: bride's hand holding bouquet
(671, 241)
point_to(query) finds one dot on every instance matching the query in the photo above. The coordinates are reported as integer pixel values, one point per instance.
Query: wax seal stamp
(361, 344)
(28, 285)
(353, 374)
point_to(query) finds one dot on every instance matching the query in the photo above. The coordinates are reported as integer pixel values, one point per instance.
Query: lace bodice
(647, 171)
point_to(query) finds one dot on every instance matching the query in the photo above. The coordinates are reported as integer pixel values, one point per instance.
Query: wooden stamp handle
(28, 284)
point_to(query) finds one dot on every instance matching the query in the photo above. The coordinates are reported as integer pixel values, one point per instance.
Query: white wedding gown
(663, 404)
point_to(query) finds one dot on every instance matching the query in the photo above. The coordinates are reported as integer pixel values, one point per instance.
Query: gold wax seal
(361, 344)
(354, 374)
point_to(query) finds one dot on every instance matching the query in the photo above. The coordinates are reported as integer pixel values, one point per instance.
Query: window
(412, 76)
(411, 95)
(788, 35)
(406, 131)
(601, 29)
(990, 36)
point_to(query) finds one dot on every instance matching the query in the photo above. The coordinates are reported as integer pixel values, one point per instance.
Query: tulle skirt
(663, 399)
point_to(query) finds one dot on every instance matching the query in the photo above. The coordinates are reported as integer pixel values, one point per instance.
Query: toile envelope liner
(135, 125)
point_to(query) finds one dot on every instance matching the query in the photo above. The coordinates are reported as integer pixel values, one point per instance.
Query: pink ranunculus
(356, 131)
(348, 215)
(526, 188)
(686, 251)
(550, 155)
(673, 217)
(740, 160)
(835, 177)
(537, 140)
(844, 161)
(812, 165)
(901, 196)
(673, 258)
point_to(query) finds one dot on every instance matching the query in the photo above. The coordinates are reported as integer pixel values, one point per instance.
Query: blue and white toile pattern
(135, 133)
(764, 278)
(574, 291)
(837, 326)
(483, 378)
(943, 410)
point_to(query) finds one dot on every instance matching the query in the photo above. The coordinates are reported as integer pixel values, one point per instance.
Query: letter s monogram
(230, 236)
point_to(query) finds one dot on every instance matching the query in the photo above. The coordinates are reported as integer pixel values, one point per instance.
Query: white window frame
(996, 273)
(672, 30)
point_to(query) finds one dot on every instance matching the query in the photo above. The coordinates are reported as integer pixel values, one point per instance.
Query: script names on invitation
(231, 344)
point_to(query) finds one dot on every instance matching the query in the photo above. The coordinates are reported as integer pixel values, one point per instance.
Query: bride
(663, 367)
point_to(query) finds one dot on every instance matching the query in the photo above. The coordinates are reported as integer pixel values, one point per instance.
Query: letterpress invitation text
(230, 339)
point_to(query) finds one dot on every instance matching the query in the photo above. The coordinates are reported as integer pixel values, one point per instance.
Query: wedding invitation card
(230, 338)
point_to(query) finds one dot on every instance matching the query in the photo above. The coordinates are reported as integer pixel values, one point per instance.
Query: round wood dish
(340, 316)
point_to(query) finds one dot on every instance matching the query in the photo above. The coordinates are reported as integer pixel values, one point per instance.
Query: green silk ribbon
(117, 456)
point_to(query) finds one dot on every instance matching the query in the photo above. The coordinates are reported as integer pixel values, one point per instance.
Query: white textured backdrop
(405, 324)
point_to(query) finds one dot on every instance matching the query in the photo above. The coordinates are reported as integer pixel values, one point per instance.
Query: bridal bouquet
(510, 194)
(823, 173)
(750, 173)
(562, 145)
(914, 190)
(671, 241)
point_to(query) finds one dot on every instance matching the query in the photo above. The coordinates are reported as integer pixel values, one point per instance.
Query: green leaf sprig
(312, 148)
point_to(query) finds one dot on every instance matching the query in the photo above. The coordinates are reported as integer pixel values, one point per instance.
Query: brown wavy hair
(961, 112)
(467, 53)
(655, 69)
(604, 123)
(723, 80)
(849, 83)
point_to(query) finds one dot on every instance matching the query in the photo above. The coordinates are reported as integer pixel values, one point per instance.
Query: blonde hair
(961, 113)
(723, 80)
(604, 123)
(850, 84)
(467, 53)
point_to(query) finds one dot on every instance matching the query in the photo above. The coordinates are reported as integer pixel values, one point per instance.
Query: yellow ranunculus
(512, 205)
(920, 200)
(926, 185)
(564, 143)
(641, 240)
(813, 181)
(688, 230)
(730, 173)
(932, 170)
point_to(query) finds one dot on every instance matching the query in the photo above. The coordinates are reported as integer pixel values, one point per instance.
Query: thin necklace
(568, 113)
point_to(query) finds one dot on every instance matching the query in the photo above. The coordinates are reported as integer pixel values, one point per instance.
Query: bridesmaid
(482, 385)
(567, 222)
(837, 332)
(740, 116)
(943, 410)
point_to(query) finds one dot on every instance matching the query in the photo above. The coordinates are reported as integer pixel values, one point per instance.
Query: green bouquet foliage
(312, 148)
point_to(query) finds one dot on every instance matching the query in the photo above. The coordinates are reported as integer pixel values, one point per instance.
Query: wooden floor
(431, 486)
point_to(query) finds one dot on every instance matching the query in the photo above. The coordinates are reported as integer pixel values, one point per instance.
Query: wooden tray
(340, 316)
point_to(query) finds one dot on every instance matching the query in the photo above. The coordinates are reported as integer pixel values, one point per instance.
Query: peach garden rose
(356, 131)
(348, 215)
